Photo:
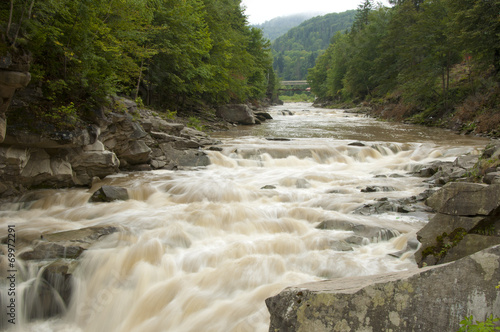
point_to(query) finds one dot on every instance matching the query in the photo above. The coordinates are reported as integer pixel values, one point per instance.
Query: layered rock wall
(125, 138)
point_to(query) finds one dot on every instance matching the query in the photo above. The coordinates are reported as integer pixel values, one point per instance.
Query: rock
(268, 186)
(136, 152)
(431, 299)
(371, 189)
(50, 295)
(67, 244)
(465, 199)
(188, 158)
(109, 194)
(278, 139)
(372, 233)
(356, 144)
(464, 210)
(53, 140)
(262, 116)
(492, 178)
(391, 205)
(236, 113)
(88, 164)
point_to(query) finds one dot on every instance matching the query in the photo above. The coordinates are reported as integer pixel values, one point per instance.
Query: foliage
(489, 325)
(296, 51)
(195, 123)
(171, 54)
(431, 55)
(298, 97)
(278, 26)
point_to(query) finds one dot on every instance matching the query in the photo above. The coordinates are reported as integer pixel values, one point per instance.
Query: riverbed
(201, 249)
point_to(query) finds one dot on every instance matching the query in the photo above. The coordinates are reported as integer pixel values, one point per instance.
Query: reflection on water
(200, 250)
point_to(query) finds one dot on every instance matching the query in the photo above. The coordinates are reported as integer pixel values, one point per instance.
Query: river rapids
(201, 249)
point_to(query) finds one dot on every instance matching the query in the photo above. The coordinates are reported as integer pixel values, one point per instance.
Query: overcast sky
(259, 11)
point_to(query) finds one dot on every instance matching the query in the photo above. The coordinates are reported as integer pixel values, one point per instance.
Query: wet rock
(262, 116)
(302, 183)
(236, 113)
(50, 294)
(283, 139)
(373, 233)
(387, 205)
(67, 244)
(371, 189)
(109, 194)
(268, 186)
(356, 144)
(403, 301)
(286, 112)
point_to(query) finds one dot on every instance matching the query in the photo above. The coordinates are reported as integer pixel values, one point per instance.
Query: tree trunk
(10, 19)
(139, 80)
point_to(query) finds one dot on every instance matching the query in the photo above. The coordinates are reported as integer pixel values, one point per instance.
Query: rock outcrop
(432, 299)
(466, 222)
(122, 138)
(242, 114)
(10, 81)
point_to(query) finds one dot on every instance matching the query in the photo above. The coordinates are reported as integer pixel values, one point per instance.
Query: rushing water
(201, 249)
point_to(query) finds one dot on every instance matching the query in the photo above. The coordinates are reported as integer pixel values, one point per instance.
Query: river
(201, 249)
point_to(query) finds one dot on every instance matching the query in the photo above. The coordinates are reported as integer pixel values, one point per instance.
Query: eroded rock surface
(432, 299)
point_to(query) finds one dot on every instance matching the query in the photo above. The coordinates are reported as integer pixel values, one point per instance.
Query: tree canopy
(425, 54)
(296, 51)
(173, 54)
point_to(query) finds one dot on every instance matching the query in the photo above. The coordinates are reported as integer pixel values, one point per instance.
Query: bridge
(294, 83)
(295, 86)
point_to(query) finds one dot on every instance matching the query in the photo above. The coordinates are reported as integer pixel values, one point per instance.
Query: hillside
(434, 63)
(278, 26)
(296, 51)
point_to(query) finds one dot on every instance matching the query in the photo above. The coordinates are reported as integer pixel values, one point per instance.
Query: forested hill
(296, 51)
(278, 26)
(433, 62)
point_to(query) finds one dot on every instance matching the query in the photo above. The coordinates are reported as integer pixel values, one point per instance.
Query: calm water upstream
(202, 249)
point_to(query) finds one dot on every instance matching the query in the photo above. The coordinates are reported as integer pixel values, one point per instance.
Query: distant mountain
(278, 26)
(296, 51)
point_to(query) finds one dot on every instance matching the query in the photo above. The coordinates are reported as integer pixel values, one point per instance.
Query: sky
(259, 11)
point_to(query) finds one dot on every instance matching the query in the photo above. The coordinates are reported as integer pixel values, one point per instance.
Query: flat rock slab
(431, 299)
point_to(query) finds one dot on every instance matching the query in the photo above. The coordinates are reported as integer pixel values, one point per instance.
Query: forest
(428, 62)
(296, 51)
(168, 54)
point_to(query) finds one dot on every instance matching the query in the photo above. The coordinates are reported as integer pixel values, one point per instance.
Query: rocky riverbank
(123, 138)
(464, 233)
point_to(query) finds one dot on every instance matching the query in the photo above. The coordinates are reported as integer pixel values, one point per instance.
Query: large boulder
(109, 194)
(431, 299)
(466, 222)
(236, 113)
(88, 163)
